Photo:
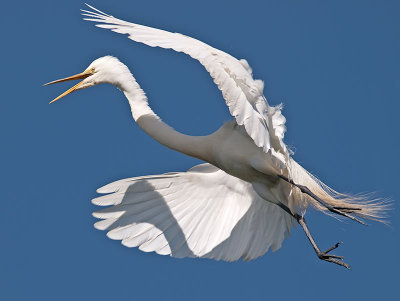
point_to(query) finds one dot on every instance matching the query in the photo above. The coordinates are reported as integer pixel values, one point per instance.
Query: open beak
(82, 75)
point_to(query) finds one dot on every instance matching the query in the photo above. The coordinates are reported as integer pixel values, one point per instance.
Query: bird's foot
(333, 258)
(347, 209)
(344, 211)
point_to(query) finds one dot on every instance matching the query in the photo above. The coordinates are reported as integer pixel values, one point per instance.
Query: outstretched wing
(203, 212)
(243, 95)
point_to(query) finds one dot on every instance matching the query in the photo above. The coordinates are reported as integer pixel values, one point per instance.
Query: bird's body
(229, 148)
(245, 162)
(248, 195)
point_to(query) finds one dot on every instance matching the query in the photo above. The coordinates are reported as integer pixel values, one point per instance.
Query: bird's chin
(85, 85)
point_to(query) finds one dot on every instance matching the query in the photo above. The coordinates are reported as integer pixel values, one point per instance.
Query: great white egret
(248, 195)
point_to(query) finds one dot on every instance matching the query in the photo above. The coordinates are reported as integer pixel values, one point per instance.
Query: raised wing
(200, 213)
(243, 95)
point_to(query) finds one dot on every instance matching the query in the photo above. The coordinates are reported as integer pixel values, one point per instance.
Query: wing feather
(203, 212)
(242, 93)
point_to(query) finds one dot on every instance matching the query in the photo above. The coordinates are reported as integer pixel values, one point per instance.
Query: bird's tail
(357, 205)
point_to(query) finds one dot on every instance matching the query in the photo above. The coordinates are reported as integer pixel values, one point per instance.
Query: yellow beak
(82, 75)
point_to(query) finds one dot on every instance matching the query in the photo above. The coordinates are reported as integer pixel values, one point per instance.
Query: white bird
(248, 195)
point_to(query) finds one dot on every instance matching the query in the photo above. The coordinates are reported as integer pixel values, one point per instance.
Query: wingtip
(97, 10)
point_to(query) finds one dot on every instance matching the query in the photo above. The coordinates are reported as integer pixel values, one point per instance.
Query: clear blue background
(335, 65)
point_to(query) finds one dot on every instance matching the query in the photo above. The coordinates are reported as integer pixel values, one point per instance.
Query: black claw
(324, 255)
(336, 256)
(334, 259)
(346, 208)
(333, 247)
(339, 212)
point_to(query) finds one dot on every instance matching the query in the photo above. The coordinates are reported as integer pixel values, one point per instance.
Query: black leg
(338, 210)
(321, 255)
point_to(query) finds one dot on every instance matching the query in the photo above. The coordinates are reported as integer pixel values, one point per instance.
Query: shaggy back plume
(359, 205)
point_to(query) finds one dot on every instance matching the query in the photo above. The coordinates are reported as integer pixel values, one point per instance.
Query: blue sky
(335, 65)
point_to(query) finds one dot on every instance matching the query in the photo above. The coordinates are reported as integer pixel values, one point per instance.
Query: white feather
(214, 215)
(243, 94)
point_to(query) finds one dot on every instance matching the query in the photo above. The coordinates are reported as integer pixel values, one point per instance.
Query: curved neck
(194, 146)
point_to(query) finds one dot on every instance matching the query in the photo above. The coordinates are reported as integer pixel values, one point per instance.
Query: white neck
(194, 146)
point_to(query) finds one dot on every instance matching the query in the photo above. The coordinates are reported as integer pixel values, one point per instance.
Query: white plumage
(243, 94)
(200, 213)
(247, 196)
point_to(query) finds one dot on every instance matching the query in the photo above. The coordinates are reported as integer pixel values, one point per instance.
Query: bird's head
(107, 69)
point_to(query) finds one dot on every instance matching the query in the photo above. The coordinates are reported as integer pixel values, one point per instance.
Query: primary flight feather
(248, 195)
